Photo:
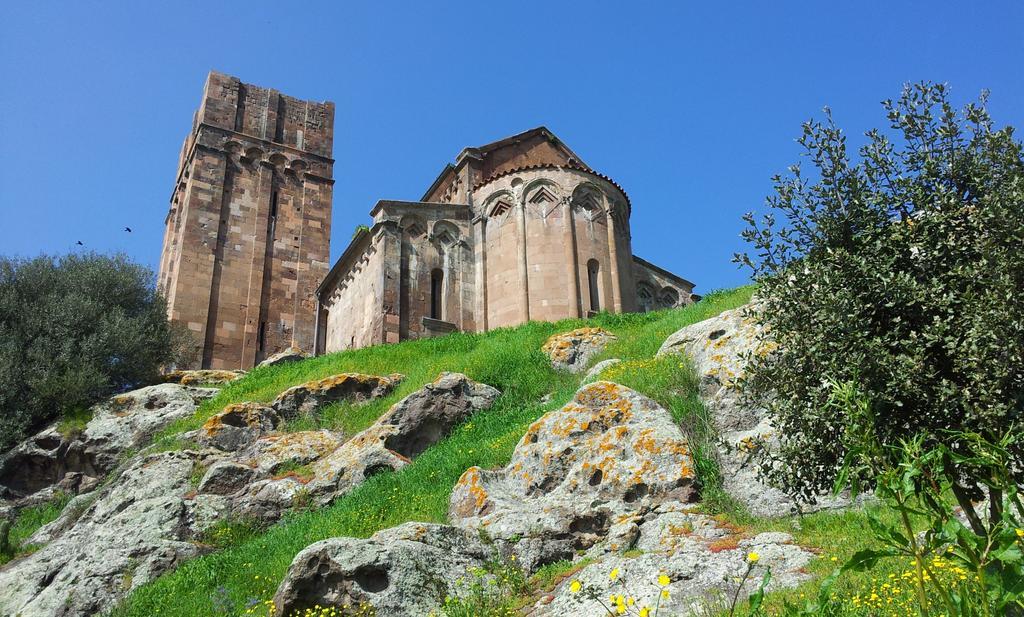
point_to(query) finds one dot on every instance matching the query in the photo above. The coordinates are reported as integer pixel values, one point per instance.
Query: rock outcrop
(607, 473)
(572, 351)
(313, 395)
(106, 544)
(152, 514)
(401, 571)
(720, 348)
(701, 559)
(74, 463)
(411, 426)
(606, 456)
(238, 425)
(292, 354)
(199, 377)
(331, 466)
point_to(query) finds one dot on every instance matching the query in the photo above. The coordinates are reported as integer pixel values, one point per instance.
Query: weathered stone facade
(247, 237)
(517, 230)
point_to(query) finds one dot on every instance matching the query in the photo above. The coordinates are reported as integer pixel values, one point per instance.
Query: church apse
(516, 230)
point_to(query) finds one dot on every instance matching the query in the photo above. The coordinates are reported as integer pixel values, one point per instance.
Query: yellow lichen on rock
(202, 376)
(571, 350)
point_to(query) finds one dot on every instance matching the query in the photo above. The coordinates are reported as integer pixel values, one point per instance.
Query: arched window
(436, 293)
(593, 270)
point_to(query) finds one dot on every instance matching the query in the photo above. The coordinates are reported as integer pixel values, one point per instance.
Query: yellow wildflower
(1020, 533)
(614, 574)
(664, 580)
(664, 594)
(645, 612)
(575, 586)
(752, 557)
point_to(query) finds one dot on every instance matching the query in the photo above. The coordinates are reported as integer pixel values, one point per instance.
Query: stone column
(572, 259)
(524, 272)
(613, 258)
(480, 256)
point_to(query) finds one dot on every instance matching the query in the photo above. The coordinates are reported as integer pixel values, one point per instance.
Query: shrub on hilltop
(74, 329)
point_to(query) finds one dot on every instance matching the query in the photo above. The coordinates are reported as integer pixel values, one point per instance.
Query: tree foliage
(900, 269)
(73, 330)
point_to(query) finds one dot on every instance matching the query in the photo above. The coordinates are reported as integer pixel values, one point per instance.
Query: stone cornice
(269, 142)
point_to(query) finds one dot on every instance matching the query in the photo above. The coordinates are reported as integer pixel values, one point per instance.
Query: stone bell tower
(247, 237)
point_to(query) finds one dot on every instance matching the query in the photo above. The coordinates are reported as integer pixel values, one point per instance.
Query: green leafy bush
(74, 329)
(901, 270)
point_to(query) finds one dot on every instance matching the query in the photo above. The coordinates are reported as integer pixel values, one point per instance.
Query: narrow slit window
(436, 289)
(593, 270)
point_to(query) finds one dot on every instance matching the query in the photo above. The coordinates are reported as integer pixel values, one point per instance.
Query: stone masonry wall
(248, 232)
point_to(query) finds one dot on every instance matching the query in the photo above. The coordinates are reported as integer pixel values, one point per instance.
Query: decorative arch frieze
(498, 205)
(645, 296)
(414, 227)
(668, 297)
(588, 200)
(542, 197)
(445, 234)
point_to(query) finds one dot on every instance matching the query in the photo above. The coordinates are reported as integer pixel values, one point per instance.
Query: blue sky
(690, 106)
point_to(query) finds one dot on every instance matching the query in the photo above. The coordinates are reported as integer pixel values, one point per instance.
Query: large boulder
(719, 349)
(400, 572)
(609, 455)
(608, 478)
(702, 560)
(120, 537)
(73, 462)
(411, 426)
(314, 395)
(321, 465)
(572, 351)
(199, 377)
(292, 354)
(238, 425)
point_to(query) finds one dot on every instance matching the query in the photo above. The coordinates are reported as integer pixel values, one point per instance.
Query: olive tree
(900, 268)
(74, 329)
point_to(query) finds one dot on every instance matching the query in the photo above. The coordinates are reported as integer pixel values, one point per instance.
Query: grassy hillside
(245, 573)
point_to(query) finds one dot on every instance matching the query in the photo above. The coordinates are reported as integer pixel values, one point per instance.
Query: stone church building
(520, 229)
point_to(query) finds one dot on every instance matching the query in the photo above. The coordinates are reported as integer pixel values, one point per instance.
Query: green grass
(508, 359)
(28, 521)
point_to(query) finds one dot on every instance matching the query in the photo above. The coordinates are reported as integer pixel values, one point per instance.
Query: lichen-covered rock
(403, 571)
(74, 462)
(701, 569)
(411, 426)
(273, 452)
(238, 425)
(226, 477)
(198, 377)
(719, 348)
(292, 354)
(609, 454)
(128, 534)
(321, 466)
(572, 351)
(313, 395)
